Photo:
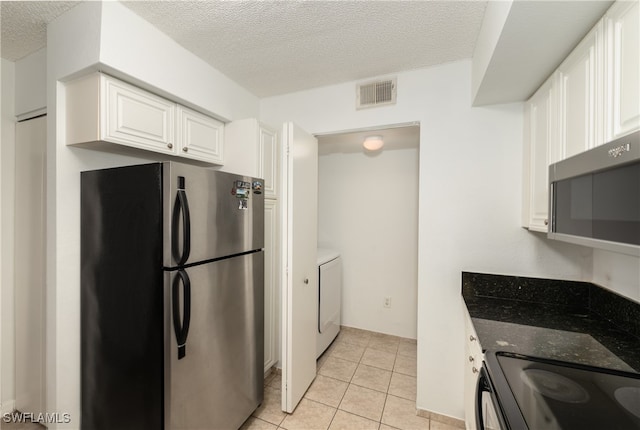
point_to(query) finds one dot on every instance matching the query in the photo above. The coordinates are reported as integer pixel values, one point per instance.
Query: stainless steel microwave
(594, 197)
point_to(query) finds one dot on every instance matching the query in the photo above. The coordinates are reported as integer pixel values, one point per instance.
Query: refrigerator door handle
(181, 205)
(181, 328)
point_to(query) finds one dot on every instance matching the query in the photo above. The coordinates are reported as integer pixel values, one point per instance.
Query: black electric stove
(535, 393)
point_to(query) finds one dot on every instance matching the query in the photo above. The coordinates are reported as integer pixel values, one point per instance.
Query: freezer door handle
(181, 206)
(181, 328)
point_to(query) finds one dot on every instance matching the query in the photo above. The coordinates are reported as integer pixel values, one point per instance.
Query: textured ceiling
(24, 25)
(276, 47)
(279, 47)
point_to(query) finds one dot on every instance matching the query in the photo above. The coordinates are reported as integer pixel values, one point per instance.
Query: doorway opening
(368, 212)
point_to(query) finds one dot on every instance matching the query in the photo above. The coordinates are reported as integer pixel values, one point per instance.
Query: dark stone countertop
(564, 320)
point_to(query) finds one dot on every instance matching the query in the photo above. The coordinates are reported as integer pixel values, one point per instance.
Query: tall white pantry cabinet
(592, 98)
(254, 149)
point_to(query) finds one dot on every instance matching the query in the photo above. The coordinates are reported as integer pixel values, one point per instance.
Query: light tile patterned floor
(365, 381)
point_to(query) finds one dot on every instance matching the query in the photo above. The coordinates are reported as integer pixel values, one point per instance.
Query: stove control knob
(474, 369)
(472, 339)
(471, 359)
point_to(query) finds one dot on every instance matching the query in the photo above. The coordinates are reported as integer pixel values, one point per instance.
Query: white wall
(368, 211)
(31, 84)
(617, 272)
(7, 171)
(493, 22)
(133, 48)
(106, 36)
(469, 204)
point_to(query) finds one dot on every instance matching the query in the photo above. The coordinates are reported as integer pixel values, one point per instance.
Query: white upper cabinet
(200, 137)
(592, 98)
(541, 149)
(136, 118)
(269, 160)
(254, 149)
(579, 94)
(622, 89)
(101, 110)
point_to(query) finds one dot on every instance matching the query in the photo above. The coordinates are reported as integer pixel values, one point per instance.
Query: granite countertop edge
(564, 320)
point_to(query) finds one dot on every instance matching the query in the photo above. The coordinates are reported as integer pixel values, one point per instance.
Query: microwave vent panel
(377, 93)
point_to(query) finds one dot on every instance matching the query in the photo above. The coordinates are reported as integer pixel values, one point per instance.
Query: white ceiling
(24, 25)
(278, 47)
(285, 46)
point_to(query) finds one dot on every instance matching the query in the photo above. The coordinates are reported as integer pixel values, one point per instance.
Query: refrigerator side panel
(122, 314)
(225, 214)
(218, 382)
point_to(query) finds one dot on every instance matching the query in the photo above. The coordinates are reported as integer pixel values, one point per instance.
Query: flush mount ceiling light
(373, 143)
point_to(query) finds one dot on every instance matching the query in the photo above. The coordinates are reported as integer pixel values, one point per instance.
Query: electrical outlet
(387, 302)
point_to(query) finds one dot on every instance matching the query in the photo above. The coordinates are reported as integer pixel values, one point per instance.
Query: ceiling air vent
(377, 93)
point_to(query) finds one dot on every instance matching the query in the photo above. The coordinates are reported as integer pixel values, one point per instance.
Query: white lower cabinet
(472, 364)
(101, 111)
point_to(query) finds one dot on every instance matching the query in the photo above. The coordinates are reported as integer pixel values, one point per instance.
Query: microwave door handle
(181, 206)
(181, 328)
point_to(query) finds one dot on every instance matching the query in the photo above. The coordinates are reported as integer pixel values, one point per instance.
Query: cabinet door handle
(472, 339)
(170, 145)
(185, 149)
(306, 281)
(546, 222)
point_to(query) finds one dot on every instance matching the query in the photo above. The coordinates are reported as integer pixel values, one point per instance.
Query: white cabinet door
(300, 296)
(472, 364)
(200, 137)
(623, 69)
(254, 149)
(578, 87)
(137, 118)
(271, 282)
(104, 113)
(541, 147)
(269, 160)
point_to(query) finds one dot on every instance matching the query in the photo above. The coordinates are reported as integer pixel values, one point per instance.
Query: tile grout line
(365, 346)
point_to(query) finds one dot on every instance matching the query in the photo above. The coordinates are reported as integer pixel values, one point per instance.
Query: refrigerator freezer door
(209, 214)
(121, 300)
(218, 382)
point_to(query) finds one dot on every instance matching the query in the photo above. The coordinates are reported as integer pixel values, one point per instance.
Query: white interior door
(300, 300)
(29, 264)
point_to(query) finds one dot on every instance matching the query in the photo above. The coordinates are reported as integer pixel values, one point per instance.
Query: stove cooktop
(554, 394)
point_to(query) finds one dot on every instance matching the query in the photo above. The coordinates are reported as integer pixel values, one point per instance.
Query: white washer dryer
(329, 298)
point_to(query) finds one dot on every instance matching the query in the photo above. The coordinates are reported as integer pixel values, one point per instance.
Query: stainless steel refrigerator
(172, 274)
